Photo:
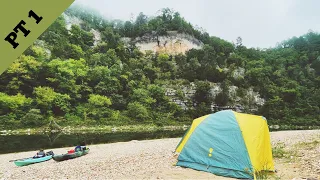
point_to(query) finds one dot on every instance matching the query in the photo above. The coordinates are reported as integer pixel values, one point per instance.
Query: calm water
(19, 143)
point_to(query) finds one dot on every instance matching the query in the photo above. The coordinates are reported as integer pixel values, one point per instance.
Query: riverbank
(129, 128)
(91, 129)
(297, 155)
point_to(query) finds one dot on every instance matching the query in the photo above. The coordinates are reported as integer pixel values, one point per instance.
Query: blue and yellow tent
(227, 143)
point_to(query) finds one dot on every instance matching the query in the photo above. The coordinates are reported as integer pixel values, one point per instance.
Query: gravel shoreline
(149, 159)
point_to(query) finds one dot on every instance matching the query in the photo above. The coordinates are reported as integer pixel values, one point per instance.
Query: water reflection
(33, 142)
(19, 143)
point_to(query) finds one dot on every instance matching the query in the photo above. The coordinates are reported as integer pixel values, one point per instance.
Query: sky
(260, 23)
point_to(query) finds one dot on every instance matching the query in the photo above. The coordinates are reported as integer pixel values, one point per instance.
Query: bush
(138, 112)
(72, 119)
(8, 121)
(33, 118)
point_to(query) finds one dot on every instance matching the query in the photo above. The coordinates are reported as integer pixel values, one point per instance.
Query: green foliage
(13, 103)
(98, 100)
(33, 118)
(81, 38)
(278, 150)
(67, 77)
(13, 108)
(38, 52)
(48, 100)
(138, 112)
(308, 145)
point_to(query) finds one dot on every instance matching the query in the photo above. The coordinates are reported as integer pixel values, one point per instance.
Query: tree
(138, 112)
(239, 42)
(22, 75)
(49, 101)
(97, 107)
(15, 104)
(81, 38)
(63, 77)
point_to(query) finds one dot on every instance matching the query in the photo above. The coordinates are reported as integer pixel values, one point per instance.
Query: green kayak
(31, 160)
(67, 156)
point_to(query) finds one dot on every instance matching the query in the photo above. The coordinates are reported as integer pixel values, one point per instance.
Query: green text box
(13, 11)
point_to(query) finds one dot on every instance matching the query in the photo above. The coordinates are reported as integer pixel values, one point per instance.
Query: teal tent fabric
(219, 132)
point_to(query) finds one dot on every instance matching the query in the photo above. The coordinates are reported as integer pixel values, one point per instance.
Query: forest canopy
(66, 76)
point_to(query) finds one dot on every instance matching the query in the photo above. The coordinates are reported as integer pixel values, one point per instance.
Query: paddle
(19, 159)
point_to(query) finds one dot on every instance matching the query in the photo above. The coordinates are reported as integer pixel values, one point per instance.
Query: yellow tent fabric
(256, 136)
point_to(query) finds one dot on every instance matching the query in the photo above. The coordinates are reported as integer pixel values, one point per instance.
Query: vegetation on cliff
(64, 76)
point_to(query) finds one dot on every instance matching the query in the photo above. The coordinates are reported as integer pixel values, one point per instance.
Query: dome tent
(227, 143)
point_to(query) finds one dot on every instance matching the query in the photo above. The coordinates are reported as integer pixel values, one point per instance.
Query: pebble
(150, 159)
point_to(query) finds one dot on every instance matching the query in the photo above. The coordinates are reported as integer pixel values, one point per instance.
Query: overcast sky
(260, 23)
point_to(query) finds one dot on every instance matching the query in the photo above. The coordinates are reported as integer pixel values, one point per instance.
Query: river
(23, 142)
(20, 143)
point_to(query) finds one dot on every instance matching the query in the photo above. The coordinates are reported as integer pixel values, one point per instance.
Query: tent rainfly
(227, 143)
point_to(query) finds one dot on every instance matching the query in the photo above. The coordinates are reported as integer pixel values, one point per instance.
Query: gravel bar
(149, 159)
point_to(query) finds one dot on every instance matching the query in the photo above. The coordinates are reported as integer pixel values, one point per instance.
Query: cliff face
(173, 43)
(72, 20)
(251, 100)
